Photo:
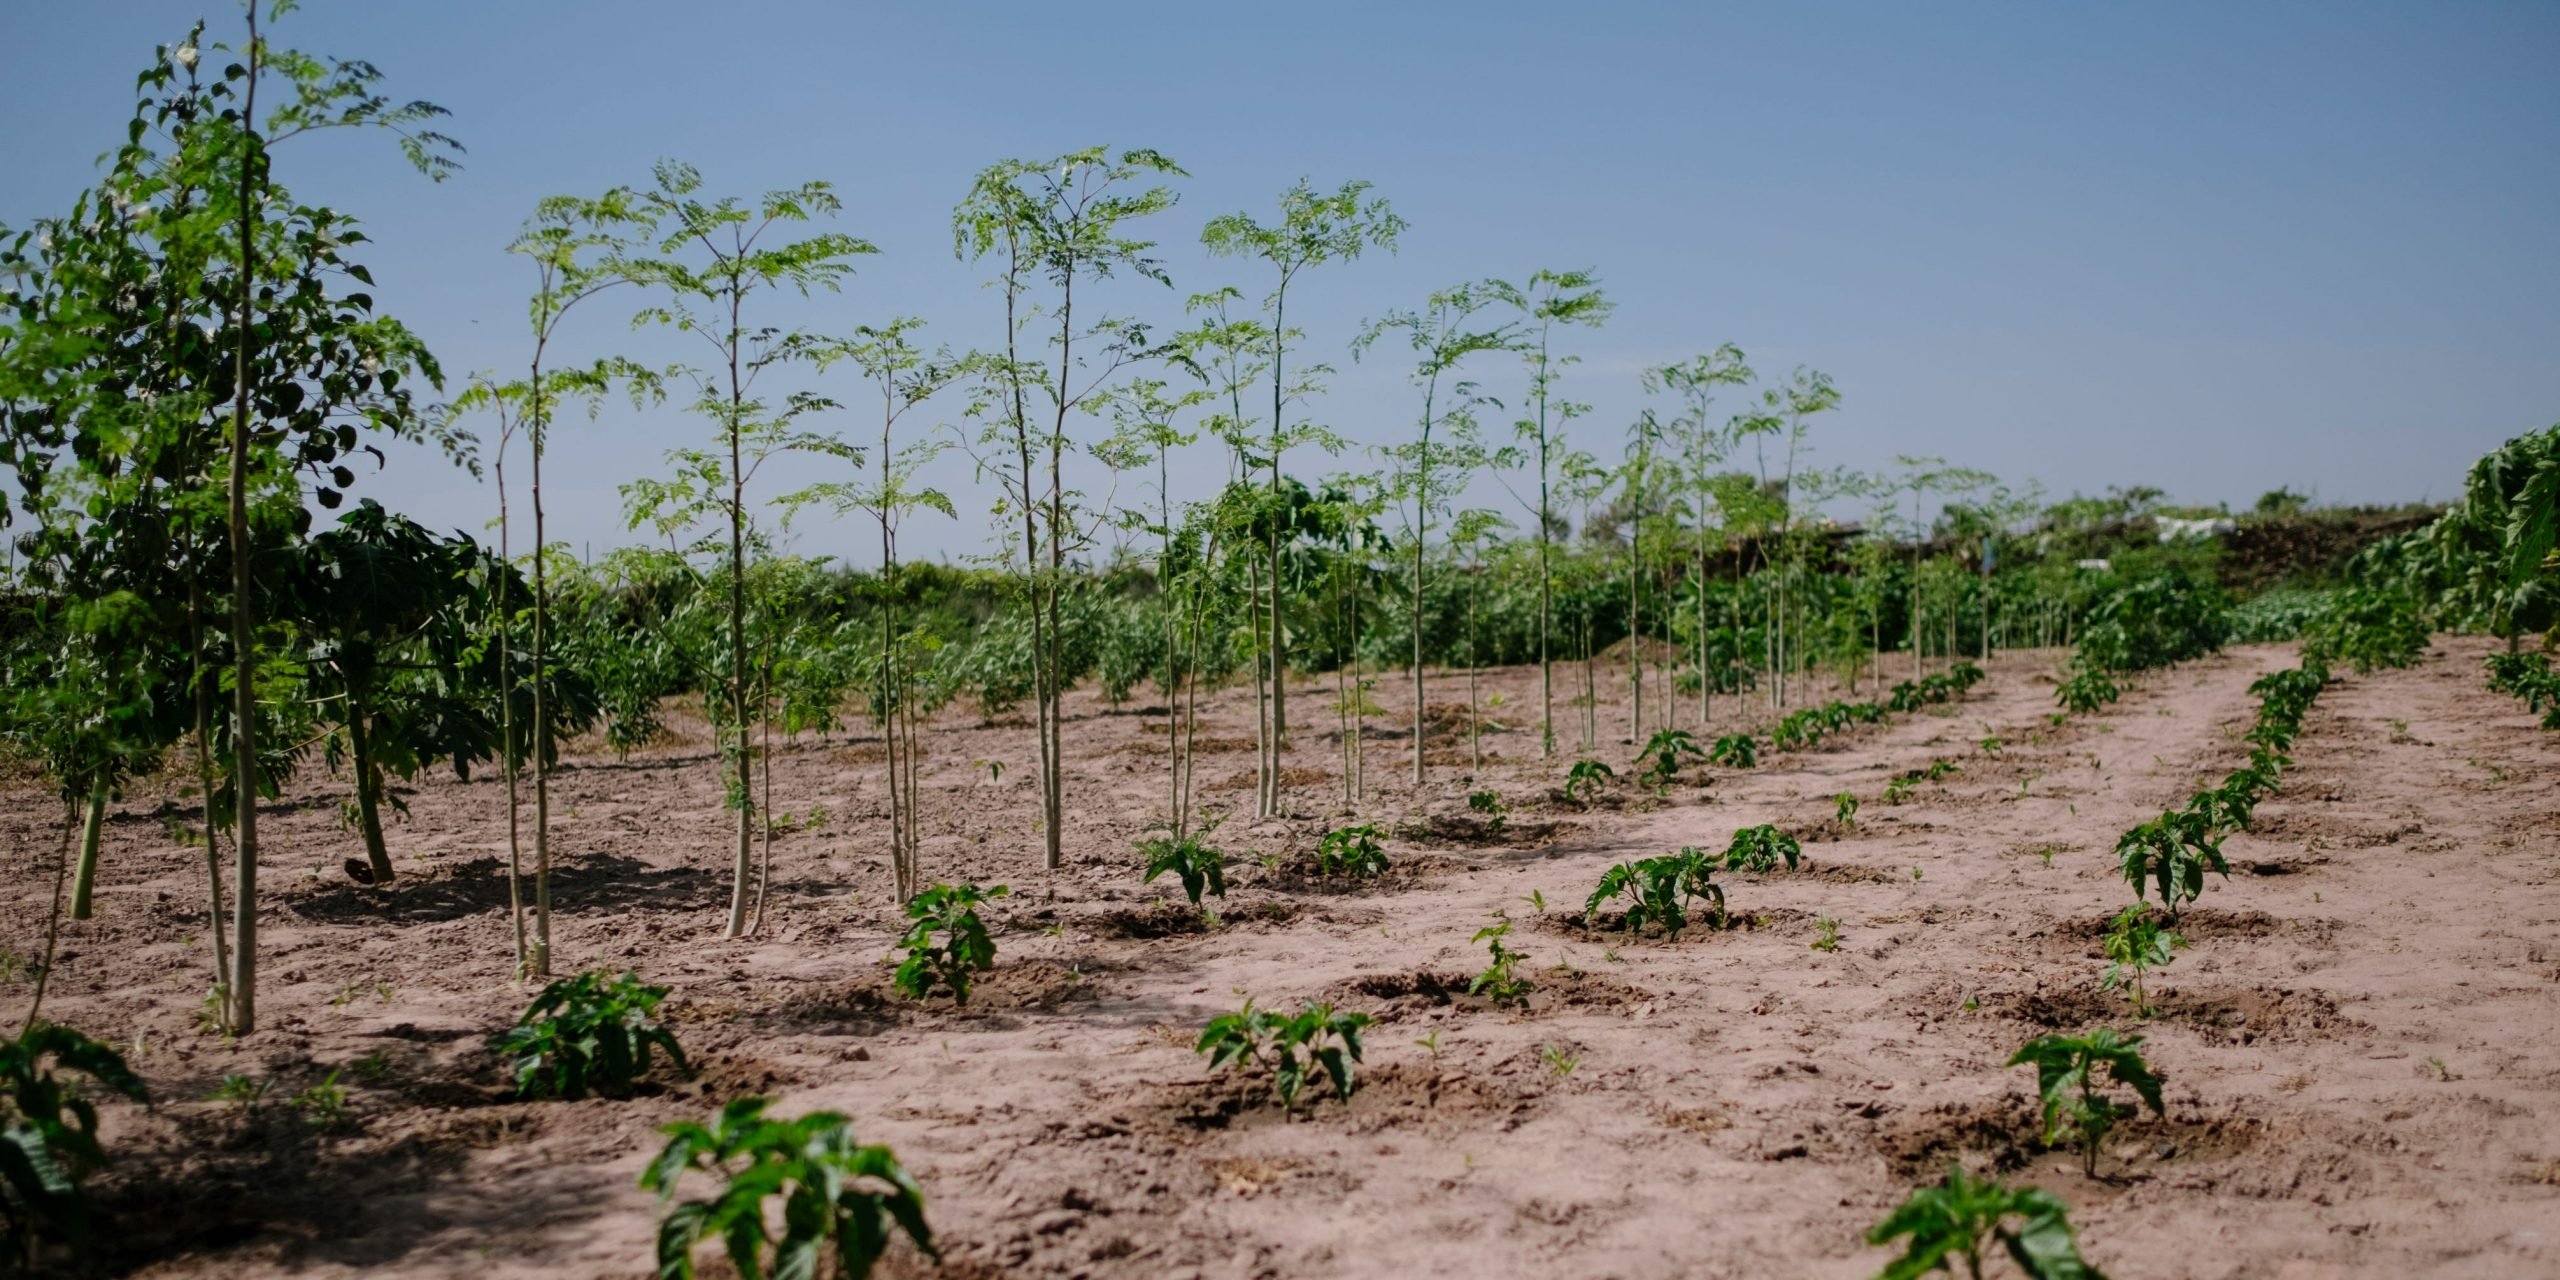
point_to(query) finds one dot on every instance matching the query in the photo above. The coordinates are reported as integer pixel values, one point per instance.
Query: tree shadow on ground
(594, 883)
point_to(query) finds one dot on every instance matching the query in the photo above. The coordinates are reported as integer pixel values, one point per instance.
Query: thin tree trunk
(202, 691)
(85, 880)
(507, 753)
(743, 866)
(53, 919)
(368, 792)
(244, 656)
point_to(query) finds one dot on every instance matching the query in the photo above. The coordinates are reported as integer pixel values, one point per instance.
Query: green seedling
(587, 1034)
(1736, 751)
(2069, 1083)
(1897, 788)
(1351, 851)
(950, 910)
(49, 1139)
(243, 1092)
(1760, 849)
(2136, 944)
(1960, 1221)
(2085, 692)
(1826, 934)
(1844, 809)
(840, 1198)
(1586, 779)
(1500, 982)
(1558, 1061)
(1489, 806)
(373, 1068)
(323, 1105)
(1319, 1039)
(1190, 858)
(1663, 755)
(1660, 889)
(2172, 852)
(1939, 769)
(1537, 900)
(1430, 1044)
(1990, 746)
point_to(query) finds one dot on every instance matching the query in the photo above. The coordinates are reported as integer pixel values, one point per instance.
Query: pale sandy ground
(2362, 1046)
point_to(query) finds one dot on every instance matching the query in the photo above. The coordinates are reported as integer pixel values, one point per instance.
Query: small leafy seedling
(840, 1199)
(1663, 755)
(1190, 858)
(1844, 809)
(49, 1138)
(323, 1105)
(1586, 779)
(2074, 1101)
(1351, 851)
(1319, 1039)
(1501, 981)
(950, 910)
(1897, 788)
(588, 1034)
(1661, 889)
(1760, 849)
(2136, 944)
(1962, 1220)
(1735, 751)
(243, 1092)
(1558, 1061)
(1826, 934)
(1489, 805)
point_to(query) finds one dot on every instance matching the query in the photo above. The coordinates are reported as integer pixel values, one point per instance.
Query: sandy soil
(2362, 1046)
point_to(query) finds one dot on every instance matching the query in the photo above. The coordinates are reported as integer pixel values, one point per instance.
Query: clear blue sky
(2211, 248)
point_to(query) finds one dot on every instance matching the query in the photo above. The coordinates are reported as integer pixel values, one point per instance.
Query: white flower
(44, 241)
(372, 366)
(185, 55)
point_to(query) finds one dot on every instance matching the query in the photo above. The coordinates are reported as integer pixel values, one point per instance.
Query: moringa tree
(727, 262)
(1440, 336)
(1057, 223)
(1314, 228)
(903, 376)
(1549, 299)
(579, 247)
(1701, 445)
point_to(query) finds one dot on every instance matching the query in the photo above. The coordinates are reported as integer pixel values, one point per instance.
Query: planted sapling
(1585, 779)
(2136, 944)
(2073, 1096)
(1660, 889)
(1489, 806)
(952, 911)
(1189, 858)
(1962, 1219)
(1760, 849)
(1826, 934)
(1735, 750)
(1500, 982)
(1319, 1040)
(588, 1034)
(1844, 810)
(839, 1197)
(1351, 851)
(1663, 755)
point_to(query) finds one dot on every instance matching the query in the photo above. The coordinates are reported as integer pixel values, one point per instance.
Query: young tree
(1702, 445)
(903, 376)
(1314, 228)
(579, 248)
(1440, 336)
(1550, 298)
(729, 263)
(1058, 222)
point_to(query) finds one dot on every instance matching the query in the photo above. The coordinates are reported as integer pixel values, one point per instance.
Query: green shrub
(49, 1139)
(1760, 849)
(2368, 629)
(588, 1034)
(840, 1199)
(1353, 851)
(950, 910)
(1660, 890)
(1961, 1218)
(1190, 858)
(2073, 1096)
(1319, 1040)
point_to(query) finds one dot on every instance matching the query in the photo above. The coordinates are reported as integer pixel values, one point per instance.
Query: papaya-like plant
(950, 910)
(2073, 1074)
(841, 1199)
(1961, 1219)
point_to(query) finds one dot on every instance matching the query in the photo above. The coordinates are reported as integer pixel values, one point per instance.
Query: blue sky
(2211, 248)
